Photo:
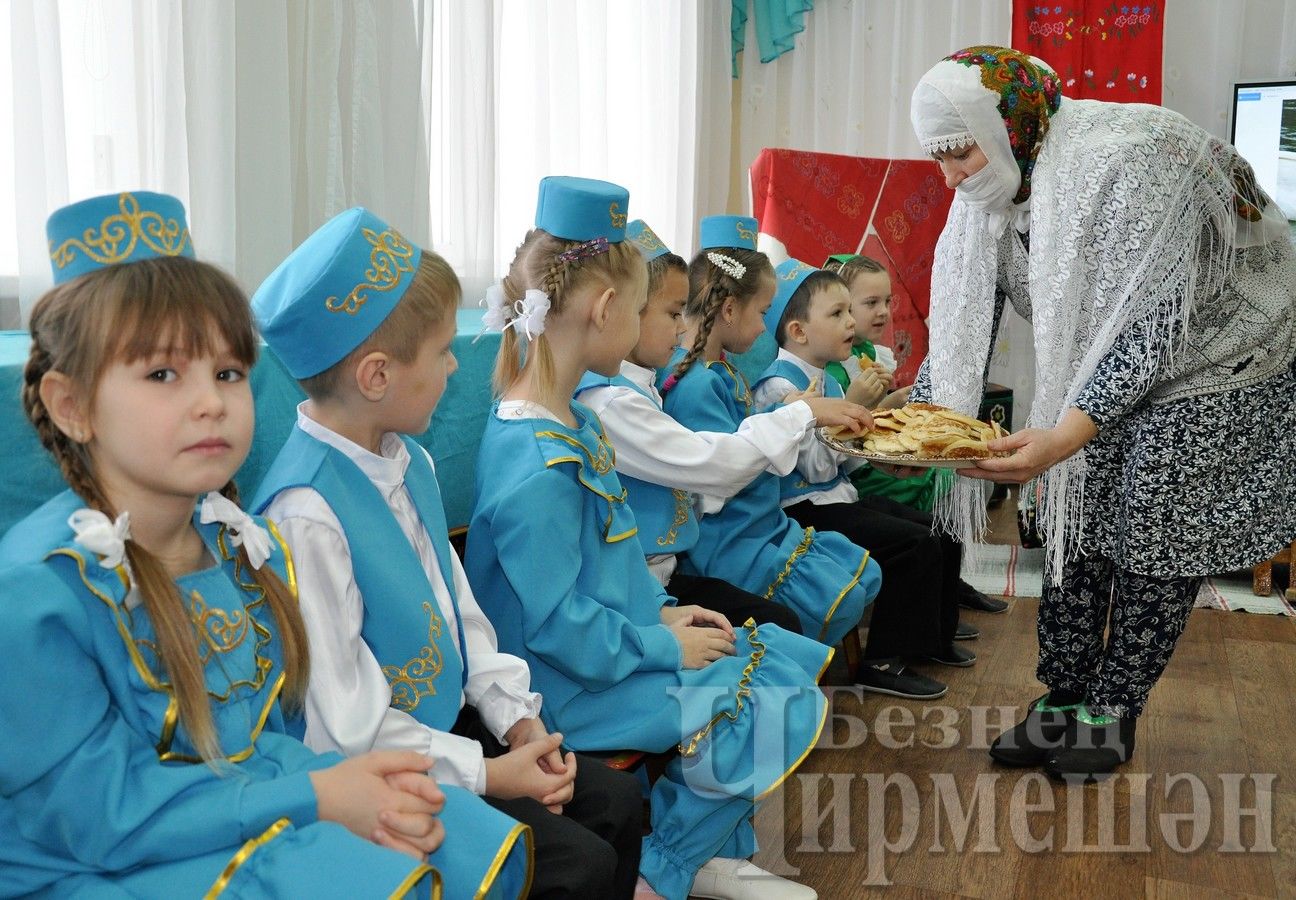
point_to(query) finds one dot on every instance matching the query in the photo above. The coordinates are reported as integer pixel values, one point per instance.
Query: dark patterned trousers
(1146, 615)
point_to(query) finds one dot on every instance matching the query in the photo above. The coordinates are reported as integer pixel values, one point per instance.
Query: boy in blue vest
(916, 612)
(401, 654)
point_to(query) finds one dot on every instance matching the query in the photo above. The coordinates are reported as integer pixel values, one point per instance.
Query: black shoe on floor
(970, 598)
(954, 655)
(890, 676)
(966, 632)
(1032, 739)
(1091, 751)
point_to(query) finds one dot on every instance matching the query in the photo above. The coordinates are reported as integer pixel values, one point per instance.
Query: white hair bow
(98, 534)
(243, 529)
(528, 313)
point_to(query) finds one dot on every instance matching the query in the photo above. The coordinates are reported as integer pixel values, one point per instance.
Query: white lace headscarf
(1134, 215)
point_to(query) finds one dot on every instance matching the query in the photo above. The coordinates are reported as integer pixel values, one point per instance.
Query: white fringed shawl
(1137, 216)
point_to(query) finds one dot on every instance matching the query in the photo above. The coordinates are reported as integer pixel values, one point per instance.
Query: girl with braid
(166, 760)
(665, 466)
(554, 558)
(749, 542)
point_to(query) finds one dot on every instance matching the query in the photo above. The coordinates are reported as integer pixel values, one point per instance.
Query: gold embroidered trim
(118, 234)
(391, 255)
(742, 391)
(123, 619)
(602, 463)
(682, 505)
(618, 218)
(690, 747)
(792, 273)
(413, 878)
(614, 538)
(245, 852)
(648, 240)
(290, 569)
(850, 585)
(413, 681)
(502, 855)
(823, 719)
(799, 552)
(744, 232)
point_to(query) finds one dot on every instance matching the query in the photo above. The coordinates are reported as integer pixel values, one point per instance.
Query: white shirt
(653, 447)
(815, 460)
(885, 357)
(348, 702)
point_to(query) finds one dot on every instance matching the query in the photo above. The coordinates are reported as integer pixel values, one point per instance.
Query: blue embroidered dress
(102, 793)
(554, 558)
(825, 578)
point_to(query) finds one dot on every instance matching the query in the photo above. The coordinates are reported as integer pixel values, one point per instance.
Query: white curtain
(268, 116)
(265, 117)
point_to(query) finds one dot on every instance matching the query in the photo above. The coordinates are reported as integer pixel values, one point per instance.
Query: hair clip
(726, 264)
(589, 248)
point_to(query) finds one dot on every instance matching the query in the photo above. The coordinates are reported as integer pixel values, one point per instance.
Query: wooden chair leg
(851, 644)
(1262, 578)
(1290, 593)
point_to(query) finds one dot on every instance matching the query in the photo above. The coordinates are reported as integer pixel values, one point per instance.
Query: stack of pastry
(923, 431)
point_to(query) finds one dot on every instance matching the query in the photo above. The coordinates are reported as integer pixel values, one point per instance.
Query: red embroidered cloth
(1102, 50)
(818, 204)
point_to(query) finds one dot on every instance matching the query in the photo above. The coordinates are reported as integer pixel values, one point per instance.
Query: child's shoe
(1032, 739)
(1093, 747)
(970, 598)
(892, 677)
(740, 879)
(954, 655)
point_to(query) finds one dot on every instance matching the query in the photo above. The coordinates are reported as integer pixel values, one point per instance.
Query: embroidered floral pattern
(1028, 95)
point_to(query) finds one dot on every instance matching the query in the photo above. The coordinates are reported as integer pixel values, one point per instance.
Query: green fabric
(919, 492)
(778, 22)
(864, 348)
(1084, 715)
(1042, 705)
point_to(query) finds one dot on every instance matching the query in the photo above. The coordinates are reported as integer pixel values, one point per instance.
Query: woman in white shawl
(1161, 284)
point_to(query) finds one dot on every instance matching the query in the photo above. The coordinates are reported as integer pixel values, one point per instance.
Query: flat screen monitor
(1264, 132)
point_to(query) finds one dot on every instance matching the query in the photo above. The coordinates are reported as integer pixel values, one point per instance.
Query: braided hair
(539, 265)
(709, 287)
(117, 315)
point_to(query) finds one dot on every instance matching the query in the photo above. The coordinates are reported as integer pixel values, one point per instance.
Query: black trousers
(916, 611)
(592, 849)
(736, 604)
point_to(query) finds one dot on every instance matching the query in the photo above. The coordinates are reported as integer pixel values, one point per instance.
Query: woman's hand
(384, 796)
(1034, 449)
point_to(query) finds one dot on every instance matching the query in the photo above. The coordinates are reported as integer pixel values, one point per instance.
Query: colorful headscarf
(999, 98)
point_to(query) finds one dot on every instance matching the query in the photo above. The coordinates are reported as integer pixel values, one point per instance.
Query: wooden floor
(1220, 725)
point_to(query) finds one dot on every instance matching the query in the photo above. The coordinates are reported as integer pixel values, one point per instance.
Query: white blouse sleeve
(815, 461)
(499, 684)
(348, 700)
(653, 447)
(771, 392)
